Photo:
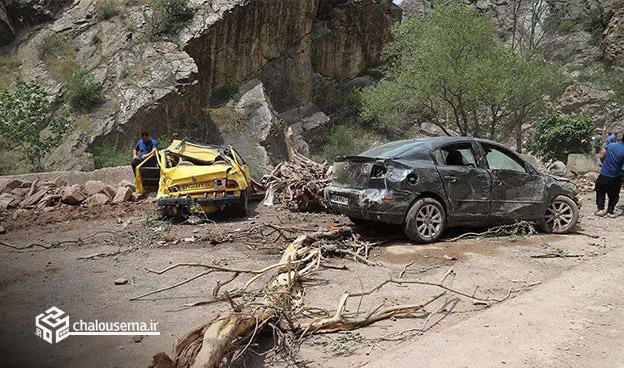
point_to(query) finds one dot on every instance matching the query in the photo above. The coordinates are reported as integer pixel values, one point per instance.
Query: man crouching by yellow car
(142, 149)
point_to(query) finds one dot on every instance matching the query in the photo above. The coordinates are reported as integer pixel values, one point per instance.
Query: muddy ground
(78, 277)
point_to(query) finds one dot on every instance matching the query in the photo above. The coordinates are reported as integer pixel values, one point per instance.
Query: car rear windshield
(389, 150)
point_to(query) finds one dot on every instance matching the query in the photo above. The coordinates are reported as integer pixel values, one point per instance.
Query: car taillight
(231, 184)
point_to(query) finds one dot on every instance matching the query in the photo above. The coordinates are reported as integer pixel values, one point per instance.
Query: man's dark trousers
(136, 161)
(607, 186)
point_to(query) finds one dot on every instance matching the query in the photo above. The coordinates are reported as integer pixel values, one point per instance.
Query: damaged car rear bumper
(188, 201)
(369, 204)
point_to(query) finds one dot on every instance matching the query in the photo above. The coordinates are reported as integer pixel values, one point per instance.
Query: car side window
(457, 155)
(499, 160)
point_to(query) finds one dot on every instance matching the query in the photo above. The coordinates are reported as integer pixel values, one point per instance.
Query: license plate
(196, 186)
(339, 200)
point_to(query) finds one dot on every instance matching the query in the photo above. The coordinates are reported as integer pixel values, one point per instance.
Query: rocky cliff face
(297, 49)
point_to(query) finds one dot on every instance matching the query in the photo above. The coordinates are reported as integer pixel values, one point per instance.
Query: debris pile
(298, 184)
(278, 305)
(47, 195)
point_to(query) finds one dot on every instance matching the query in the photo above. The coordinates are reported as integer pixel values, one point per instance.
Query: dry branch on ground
(278, 304)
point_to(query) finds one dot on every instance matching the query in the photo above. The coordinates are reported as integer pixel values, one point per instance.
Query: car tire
(425, 221)
(241, 209)
(561, 216)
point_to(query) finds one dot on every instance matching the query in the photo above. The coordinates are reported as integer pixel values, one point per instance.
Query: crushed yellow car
(196, 178)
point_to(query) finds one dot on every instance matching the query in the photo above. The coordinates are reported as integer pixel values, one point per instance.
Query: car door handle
(452, 179)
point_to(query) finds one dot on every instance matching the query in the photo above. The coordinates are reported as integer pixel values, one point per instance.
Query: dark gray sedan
(427, 185)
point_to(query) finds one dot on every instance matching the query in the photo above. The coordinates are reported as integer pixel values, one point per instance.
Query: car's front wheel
(561, 216)
(425, 221)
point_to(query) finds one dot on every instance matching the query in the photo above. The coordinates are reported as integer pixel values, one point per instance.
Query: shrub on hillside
(106, 9)
(169, 15)
(556, 136)
(82, 92)
(25, 112)
(595, 23)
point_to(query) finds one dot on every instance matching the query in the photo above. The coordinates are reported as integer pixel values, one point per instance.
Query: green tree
(25, 113)
(446, 68)
(556, 136)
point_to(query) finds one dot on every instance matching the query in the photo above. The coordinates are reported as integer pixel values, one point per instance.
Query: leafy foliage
(556, 136)
(346, 140)
(112, 154)
(24, 114)
(595, 22)
(169, 15)
(106, 9)
(82, 92)
(446, 68)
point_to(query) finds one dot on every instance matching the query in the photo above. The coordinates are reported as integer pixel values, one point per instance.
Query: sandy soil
(33, 280)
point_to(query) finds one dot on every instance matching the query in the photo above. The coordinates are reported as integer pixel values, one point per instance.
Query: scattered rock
(93, 187)
(73, 195)
(162, 360)
(33, 188)
(7, 186)
(123, 194)
(121, 281)
(591, 176)
(8, 200)
(449, 258)
(33, 199)
(96, 200)
(109, 191)
(126, 184)
(558, 168)
(18, 212)
(2, 230)
(137, 338)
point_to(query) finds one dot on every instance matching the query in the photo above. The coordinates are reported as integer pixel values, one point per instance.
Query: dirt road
(569, 302)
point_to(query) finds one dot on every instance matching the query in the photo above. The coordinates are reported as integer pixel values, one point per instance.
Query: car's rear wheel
(561, 216)
(241, 208)
(425, 221)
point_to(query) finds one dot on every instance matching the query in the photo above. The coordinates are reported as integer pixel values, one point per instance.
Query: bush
(59, 56)
(112, 154)
(169, 15)
(556, 136)
(595, 23)
(82, 92)
(106, 9)
(24, 114)
(346, 140)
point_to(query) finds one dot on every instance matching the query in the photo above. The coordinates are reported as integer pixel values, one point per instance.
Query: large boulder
(558, 168)
(73, 195)
(249, 124)
(581, 163)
